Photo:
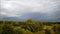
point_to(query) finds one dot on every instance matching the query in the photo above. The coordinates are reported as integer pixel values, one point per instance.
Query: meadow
(29, 27)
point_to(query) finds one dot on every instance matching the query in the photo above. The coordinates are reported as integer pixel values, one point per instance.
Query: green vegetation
(29, 27)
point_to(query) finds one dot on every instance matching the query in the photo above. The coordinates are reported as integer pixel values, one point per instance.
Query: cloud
(48, 9)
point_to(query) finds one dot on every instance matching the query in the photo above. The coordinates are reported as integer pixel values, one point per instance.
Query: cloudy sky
(42, 10)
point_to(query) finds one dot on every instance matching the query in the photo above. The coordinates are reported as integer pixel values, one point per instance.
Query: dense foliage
(29, 27)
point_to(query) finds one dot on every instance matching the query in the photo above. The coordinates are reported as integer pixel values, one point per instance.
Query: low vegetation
(29, 27)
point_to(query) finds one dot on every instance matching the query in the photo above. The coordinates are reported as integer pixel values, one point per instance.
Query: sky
(37, 10)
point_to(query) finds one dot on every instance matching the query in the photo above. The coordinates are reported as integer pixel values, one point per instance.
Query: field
(29, 27)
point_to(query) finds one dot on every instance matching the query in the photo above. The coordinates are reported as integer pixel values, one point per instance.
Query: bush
(47, 31)
(7, 30)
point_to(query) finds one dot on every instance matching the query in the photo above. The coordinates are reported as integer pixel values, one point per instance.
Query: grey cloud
(44, 10)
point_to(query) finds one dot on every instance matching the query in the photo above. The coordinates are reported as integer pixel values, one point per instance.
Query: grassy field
(29, 27)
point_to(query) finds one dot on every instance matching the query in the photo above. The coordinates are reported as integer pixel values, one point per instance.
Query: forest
(29, 27)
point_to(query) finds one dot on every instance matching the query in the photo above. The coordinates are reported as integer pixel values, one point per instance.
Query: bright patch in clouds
(7, 6)
(13, 8)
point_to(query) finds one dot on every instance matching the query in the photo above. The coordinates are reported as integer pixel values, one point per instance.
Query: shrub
(7, 30)
(47, 31)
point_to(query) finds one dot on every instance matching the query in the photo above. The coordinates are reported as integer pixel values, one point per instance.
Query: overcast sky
(42, 10)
